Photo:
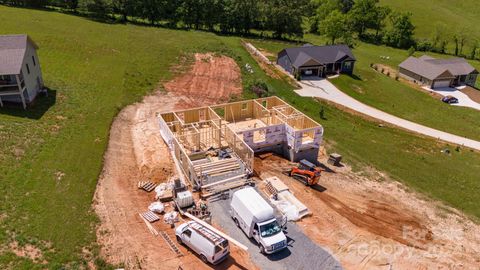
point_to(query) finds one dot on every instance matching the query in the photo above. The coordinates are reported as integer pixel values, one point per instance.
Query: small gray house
(437, 73)
(320, 61)
(20, 73)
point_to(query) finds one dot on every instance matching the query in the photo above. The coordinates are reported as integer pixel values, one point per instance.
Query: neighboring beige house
(20, 74)
(438, 73)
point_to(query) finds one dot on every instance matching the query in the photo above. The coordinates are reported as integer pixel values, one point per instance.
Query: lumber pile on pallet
(218, 167)
(226, 184)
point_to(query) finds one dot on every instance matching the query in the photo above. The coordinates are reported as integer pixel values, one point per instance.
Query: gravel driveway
(324, 89)
(301, 254)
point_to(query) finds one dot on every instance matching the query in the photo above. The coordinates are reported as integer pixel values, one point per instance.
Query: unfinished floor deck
(218, 142)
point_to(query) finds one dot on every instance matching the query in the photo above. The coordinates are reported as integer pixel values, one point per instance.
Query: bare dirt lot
(374, 224)
(211, 80)
(366, 222)
(136, 152)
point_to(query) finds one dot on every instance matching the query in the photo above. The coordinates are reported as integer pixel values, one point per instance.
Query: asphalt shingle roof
(431, 68)
(320, 54)
(12, 52)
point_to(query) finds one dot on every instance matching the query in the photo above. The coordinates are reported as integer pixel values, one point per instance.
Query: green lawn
(454, 14)
(93, 70)
(51, 155)
(393, 96)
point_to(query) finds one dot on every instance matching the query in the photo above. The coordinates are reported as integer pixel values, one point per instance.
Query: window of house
(347, 65)
(244, 106)
(33, 59)
(28, 68)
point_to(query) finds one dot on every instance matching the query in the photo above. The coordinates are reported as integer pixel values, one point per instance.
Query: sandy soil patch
(371, 224)
(27, 251)
(136, 152)
(211, 79)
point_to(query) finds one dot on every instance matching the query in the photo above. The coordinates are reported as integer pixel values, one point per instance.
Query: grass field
(51, 155)
(456, 15)
(396, 97)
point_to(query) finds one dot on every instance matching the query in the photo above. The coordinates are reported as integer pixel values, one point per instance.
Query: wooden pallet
(171, 244)
(270, 189)
(150, 216)
(147, 185)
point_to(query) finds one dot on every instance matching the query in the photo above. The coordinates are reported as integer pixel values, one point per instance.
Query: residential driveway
(324, 89)
(463, 100)
(302, 253)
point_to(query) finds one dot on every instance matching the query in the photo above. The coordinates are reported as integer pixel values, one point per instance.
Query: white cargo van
(256, 218)
(211, 247)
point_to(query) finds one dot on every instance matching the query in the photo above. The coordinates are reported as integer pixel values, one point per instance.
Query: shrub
(258, 87)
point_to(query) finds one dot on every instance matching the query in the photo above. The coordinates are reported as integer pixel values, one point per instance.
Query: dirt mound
(212, 79)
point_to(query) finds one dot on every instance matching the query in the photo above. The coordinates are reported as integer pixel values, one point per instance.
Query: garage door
(441, 83)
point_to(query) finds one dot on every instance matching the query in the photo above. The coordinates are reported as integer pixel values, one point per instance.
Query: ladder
(171, 244)
(215, 238)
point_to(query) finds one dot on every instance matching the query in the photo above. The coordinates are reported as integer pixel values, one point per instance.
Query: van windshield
(269, 229)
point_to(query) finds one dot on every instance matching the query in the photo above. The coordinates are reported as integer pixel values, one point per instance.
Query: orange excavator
(306, 172)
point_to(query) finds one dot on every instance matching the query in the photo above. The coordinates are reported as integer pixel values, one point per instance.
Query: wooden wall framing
(189, 131)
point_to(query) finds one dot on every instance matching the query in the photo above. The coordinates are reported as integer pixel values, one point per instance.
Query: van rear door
(221, 251)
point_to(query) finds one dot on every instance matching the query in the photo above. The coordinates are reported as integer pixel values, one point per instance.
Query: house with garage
(438, 73)
(20, 74)
(320, 61)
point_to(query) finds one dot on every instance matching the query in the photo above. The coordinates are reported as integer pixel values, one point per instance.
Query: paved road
(301, 254)
(463, 99)
(326, 90)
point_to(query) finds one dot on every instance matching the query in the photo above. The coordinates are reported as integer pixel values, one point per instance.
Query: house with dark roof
(320, 61)
(20, 73)
(437, 73)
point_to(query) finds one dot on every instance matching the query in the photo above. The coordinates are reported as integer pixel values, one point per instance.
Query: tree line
(340, 21)
(283, 18)
(343, 20)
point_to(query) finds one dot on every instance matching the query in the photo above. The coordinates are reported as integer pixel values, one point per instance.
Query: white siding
(35, 71)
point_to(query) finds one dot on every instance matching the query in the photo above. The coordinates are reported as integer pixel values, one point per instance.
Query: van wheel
(236, 222)
(204, 259)
(179, 240)
(262, 249)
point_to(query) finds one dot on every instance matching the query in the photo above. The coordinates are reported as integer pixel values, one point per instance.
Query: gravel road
(301, 254)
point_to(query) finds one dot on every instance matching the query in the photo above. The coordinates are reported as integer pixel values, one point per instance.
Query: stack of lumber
(226, 184)
(218, 167)
(285, 196)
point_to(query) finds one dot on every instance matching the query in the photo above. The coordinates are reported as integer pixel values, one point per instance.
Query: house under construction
(216, 144)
